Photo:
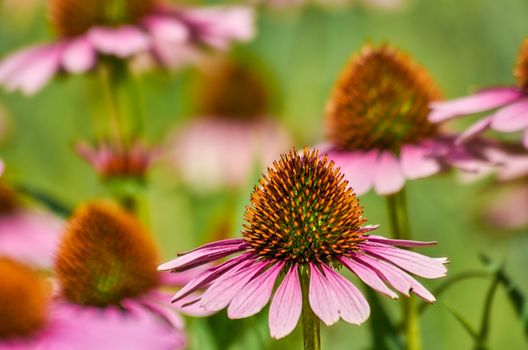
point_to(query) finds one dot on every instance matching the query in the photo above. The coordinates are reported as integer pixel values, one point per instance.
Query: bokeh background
(465, 45)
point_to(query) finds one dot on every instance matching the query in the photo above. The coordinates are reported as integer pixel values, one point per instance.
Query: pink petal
(321, 297)
(216, 244)
(479, 102)
(511, 118)
(122, 42)
(359, 168)
(415, 162)
(397, 278)
(369, 277)
(199, 257)
(418, 264)
(225, 288)
(2, 167)
(167, 29)
(17, 61)
(255, 294)
(399, 242)
(286, 305)
(389, 178)
(475, 129)
(79, 56)
(352, 305)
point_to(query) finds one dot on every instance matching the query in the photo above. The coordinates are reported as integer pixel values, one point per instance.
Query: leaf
(384, 333)
(45, 199)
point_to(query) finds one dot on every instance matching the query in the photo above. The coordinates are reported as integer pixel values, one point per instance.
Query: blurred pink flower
(234, 136)
(511, 103)
(86, 33)
(377, 122)
(111, 160)
(303, 221)
(26, 234)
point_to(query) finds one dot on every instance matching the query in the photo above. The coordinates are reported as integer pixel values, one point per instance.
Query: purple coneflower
(27, 234)
(234, 133)
(376, 121)
(511, 103)
(303, 225)
(123, 29)
(106, 271)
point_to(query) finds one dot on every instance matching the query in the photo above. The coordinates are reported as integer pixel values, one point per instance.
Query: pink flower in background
(123, 29)
(26, 234)
(511, 104)
(234, 135)
(303, 223)
(111, 160)
(376, 121)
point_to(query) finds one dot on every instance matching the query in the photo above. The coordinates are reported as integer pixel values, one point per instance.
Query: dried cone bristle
(24, 299)
(74, 17)
(381, 101)
(105, 256)
(303, 211)
(521, 69)
(231, 90)
(9, 202)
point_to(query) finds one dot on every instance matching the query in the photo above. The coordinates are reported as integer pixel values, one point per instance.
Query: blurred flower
(376, 121)
(106, 272)
(233, 136)
(112, 160)
(511, 103)
(304, 223)
(121, 28)
(26, 234)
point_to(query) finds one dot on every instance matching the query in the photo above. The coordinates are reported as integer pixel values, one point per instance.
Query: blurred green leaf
(45, 199)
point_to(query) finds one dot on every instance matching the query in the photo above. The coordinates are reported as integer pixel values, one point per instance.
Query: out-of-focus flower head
(88, 31)
(26, 234)
(510, 103)
(234, 133)
(304, 223)
(376, 121)
(106, 272)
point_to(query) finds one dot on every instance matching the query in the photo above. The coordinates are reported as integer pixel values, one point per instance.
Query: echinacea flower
(113, 160)
(510, 102)
(304, 222)
(121, 28)
(234, 133)
(26, 234)
(31, 318)
(106, 269)
(376, 121)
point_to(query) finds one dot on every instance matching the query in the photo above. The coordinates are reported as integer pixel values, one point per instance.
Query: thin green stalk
(482, 337)
(399, 220)
(310, 322)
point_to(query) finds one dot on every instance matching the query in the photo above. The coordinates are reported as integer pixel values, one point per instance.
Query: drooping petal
(322, 299)
(216, 244)
(352, 305)
(369, 277)
(122, 42)
(286, 305)
(79, 55)
(200, 257)
(389, 178)
(359, 168)
(400, 280)
(399, 242)
(475, 129)
(224, 289)
(255, 294)
(511, 118)
(525, 138)
(418, 264)
(481, 101)
(167, 29)
(415, 162)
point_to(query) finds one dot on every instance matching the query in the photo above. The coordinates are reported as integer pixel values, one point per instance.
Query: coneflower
(510, 102)
(86, 31)
(303, 225)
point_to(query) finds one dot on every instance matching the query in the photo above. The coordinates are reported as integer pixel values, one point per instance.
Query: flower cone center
(381, 101)
(9, 202)
(23, 300)
(521, 69)
(105, 257)
(74, 17)
(233, 91)
(303, 211)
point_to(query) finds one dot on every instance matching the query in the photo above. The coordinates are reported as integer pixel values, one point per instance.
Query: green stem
(399, 220)
(486, 315)
(310, 322)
